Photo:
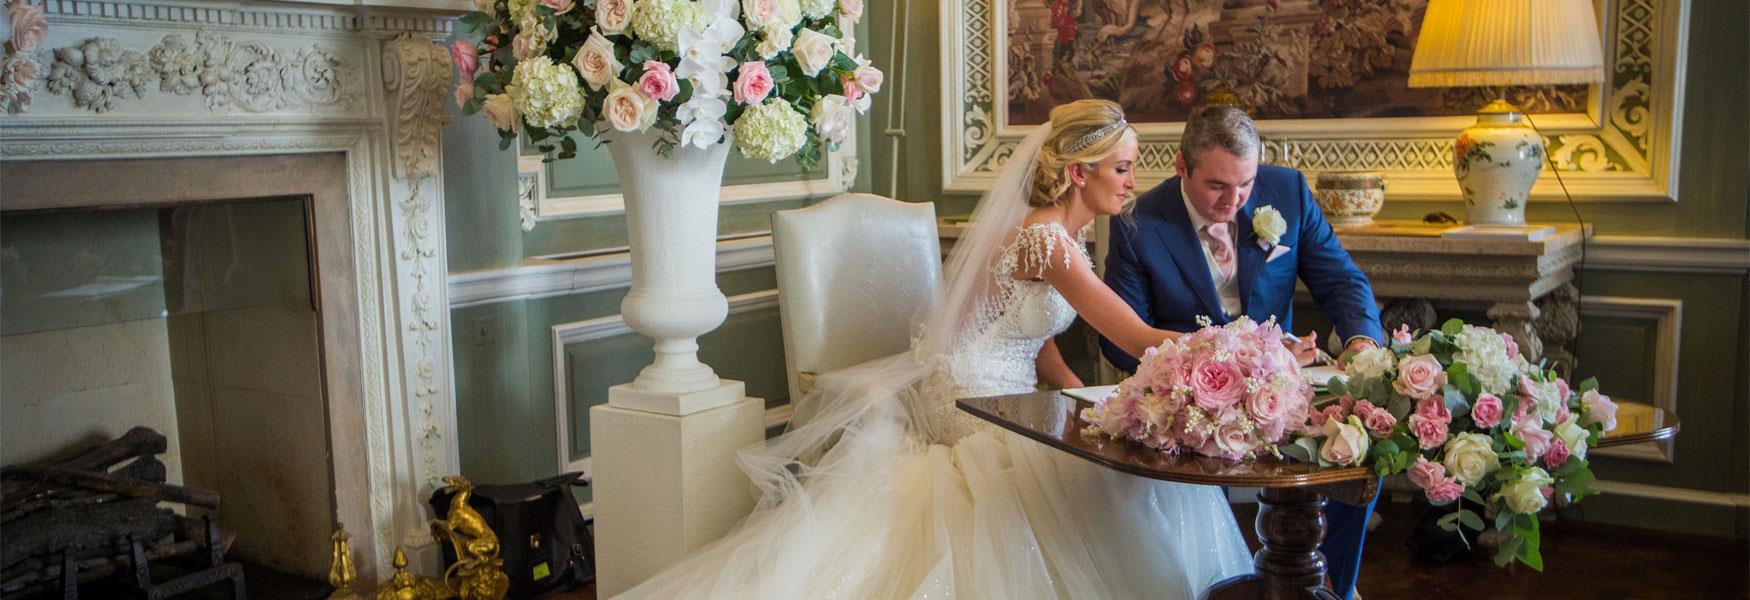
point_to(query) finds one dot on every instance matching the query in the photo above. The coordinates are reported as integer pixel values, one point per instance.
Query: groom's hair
(1218, 126)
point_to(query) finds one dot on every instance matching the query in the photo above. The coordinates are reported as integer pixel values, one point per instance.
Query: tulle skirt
(993, 515)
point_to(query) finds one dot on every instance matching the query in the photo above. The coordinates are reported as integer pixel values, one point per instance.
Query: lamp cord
(1579, 269)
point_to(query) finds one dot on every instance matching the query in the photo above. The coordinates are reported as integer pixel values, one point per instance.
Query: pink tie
(1221, 246)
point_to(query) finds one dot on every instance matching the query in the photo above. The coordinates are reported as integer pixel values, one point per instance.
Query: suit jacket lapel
(1182, 243)
(1251, 257)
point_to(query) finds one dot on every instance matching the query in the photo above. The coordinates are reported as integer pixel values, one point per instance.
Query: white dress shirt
(1226, 288)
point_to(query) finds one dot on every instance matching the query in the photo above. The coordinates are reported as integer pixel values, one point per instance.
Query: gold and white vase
(1496, 160)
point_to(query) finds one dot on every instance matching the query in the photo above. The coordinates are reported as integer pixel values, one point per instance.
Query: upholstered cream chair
(852, 272)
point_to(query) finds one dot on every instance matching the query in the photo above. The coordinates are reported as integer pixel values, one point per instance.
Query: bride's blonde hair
(1082, 132)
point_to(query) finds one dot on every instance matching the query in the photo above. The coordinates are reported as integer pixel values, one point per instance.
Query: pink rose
(658, 81)
(1216, 384)
(852, 92)
(1558, 454)
(869, 78)
(1512, 345)
(1487, 411)
(559, 7)
(1565, 391)
(851, 8)
(1537, 439)
(28, 25)
(1318, 419)
(1419, 376)
(1233, 440)
(1433, 408)
(1379, 421)
(1598, 408)
(1429, 432)
(1402, 335)
(467, 59)
(464, 91)
(1445, 491)
(753, 81)
(1266, 404)
(1424, 473)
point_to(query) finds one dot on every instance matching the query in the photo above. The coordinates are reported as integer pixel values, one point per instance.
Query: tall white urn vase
(1496, 160)
(663, 448)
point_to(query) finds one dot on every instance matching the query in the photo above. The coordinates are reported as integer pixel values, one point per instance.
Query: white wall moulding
(542, 278)
(1665, 318)
(1668, 254)
(367, 81)
(536, 205)
(1622, 147)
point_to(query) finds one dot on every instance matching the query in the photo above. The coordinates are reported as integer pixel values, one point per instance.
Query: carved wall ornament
(229, 74)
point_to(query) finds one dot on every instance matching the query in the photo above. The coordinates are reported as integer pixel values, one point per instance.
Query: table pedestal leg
(1291, 523)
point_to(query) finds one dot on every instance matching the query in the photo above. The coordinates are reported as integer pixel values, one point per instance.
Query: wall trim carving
(1668, 254)
(582, 275)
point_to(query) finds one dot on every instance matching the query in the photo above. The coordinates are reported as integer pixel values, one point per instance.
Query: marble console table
(1525, 286)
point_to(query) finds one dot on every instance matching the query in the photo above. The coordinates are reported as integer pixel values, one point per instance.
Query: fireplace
(268, 287)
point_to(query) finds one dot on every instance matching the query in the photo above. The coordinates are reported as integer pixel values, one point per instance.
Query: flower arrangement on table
(781, 76)
(1468, 417)
(1230, 391)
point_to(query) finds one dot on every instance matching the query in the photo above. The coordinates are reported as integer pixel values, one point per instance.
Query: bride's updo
(1084, 132)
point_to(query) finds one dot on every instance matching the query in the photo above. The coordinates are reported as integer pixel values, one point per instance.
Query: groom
(1227, 238)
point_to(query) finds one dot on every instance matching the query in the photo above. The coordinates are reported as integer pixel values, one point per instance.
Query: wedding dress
(886, 490)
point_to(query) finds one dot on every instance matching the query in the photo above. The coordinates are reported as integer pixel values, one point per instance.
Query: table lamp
(1467, 43)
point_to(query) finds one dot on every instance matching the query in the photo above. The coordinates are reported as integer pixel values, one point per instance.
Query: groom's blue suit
(1156, 263)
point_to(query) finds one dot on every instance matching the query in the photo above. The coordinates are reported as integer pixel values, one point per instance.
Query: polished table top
(1051, 418)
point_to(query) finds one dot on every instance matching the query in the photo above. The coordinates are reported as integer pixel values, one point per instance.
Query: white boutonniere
(1269, 225)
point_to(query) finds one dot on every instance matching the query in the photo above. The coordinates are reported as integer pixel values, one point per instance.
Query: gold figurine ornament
(477, 575)
(479, 572)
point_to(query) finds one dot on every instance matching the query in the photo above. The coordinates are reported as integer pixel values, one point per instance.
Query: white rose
(595, 61)
(777, 39)
(789, 13)
(1371, 363)
(862, 103)
(833, 118)
(500, 111)
(760, 13)
(1574, 437)
(814, 51)
(1525, 496)
(1470, 457)
(612, 16)
(1269, 224)
(627, 110)
(1346, 443)
(815, 9)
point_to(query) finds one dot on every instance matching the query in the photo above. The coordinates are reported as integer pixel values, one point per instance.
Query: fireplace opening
(200, 320)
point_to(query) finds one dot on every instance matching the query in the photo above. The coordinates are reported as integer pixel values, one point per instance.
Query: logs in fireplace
(77, 521)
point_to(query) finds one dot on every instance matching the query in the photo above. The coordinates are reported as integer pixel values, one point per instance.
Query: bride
(883, 489)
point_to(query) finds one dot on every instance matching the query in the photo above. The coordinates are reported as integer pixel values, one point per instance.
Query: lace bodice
(998, 357)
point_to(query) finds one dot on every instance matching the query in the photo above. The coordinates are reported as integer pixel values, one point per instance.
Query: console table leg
(1291, 523)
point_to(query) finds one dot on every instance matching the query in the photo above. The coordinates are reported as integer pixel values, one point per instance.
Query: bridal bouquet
(1469, 418)
(782, 76)
(1231, 392)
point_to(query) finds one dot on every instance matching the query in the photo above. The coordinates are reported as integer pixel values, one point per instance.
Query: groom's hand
(1306, 349)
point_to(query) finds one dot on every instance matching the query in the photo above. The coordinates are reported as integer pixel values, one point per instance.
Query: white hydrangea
(1484, 355)
(521, 9)
(773, 131)
(545, 93)
(1372, 363)
(660, 22)
(815, 9)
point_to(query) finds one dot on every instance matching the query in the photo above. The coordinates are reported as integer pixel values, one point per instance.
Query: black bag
(545, 544)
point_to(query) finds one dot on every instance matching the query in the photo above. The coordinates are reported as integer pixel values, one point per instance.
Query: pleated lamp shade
(1507, 42)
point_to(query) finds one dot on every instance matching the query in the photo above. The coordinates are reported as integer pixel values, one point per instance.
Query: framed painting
(1325, 79)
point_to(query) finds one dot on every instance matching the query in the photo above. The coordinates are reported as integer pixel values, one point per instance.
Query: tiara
(1096, 135)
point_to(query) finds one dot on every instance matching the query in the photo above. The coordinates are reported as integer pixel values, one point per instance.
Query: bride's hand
(1306, 349)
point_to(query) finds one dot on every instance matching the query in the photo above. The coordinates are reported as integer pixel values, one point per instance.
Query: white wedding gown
(917, 499)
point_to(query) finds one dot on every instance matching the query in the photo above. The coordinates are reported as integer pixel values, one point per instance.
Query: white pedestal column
(667, 483)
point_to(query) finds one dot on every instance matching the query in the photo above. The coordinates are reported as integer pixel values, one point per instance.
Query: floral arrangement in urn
(1468, 417)
(1231, 392)
(781, 77)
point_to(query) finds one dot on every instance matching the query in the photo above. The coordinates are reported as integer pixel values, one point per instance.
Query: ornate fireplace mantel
(137, 79)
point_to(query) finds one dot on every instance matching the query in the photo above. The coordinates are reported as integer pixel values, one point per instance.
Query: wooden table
(1291, 520)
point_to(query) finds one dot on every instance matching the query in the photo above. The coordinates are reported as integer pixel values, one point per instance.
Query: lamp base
(1496, 160)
